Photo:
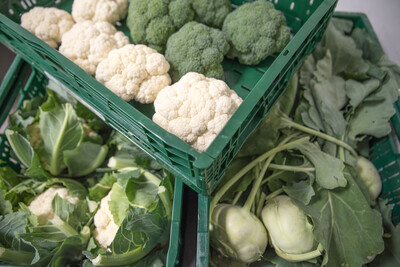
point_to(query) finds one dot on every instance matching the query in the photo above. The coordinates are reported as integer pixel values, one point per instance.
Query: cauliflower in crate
(99, 10)
(89, 42)
(195, 109)
(134, 72)
(48, 23)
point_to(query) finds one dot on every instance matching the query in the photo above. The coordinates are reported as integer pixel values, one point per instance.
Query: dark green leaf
(101, 189)
(348, 229)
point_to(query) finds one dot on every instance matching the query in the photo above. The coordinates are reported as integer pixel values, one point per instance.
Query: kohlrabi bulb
(370, 176)
(288, 227)
(237, 233)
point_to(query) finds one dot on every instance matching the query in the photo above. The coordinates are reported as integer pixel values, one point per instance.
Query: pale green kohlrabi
(234, 230)
(289, 230)
(370, 176)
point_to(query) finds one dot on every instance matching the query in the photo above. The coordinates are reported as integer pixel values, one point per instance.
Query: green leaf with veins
(357, 91)
(118, 204)
(85, 158)
(344, 223)
(302, 191)
(328, 169)
(20, 146)
(61, 130)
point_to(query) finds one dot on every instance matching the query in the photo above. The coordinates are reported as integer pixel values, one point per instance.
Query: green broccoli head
(196, 48)
(255, 31)
(152, 22)
(211, 13)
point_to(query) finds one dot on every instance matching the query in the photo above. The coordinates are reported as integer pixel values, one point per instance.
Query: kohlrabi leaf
(391, 254)
(344, 223)
(328, 169)
(302, 191)
(85, 158)
(20, 146)
(61, 130)
(358, 91)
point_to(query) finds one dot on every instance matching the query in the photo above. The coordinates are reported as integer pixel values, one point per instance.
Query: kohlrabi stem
(257, 183)
(271, 177)
(291, 168)
(274, 194)
(341, 151)
(261, 202)
(236, 199)
(249, 166)
(319, 134)
(17, 257)
(300, 257)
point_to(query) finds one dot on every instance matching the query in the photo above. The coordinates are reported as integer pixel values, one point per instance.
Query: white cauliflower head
(48, 23)
(106, 229)
(134, 72)
(99, 10)
(41, 204)
(88, 43)
(195, 109)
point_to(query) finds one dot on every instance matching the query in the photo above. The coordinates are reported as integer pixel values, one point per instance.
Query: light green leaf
(357, 91)
(328, 169)
(346, 226)
(61, 130)
(101, 189)
(85, 158)
(21, 147)
(302, 191)
(118, 204)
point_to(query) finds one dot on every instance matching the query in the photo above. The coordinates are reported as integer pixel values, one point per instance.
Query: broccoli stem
(122, 259)
(118, 163)
(17, 257)
(300, 257)
(319, 134)
(251, 165)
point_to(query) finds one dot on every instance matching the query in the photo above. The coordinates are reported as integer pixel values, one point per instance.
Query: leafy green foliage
(196, 48)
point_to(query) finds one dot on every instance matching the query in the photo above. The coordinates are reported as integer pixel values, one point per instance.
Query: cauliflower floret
(47, 23)
(99, 10)
(106, 229)
(88, 43)
(195, 109)
(41, 204)
(134, 72)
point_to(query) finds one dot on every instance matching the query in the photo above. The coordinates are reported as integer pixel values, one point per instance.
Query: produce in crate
(211, 13)
(48, 23)
(255, 30)
(345, 98)
(197, 48)
(195, 109)
(134, 72)
(152, 22)
(99, 10)
(50, 220)
(88, 43)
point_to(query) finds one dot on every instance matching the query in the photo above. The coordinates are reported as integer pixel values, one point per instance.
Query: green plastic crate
(384, 153)
(259, 86)
(21, 83)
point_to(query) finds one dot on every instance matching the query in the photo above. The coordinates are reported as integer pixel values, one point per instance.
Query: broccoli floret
(255, 31)
(196, 48)
(211, 13)
(151, 22)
